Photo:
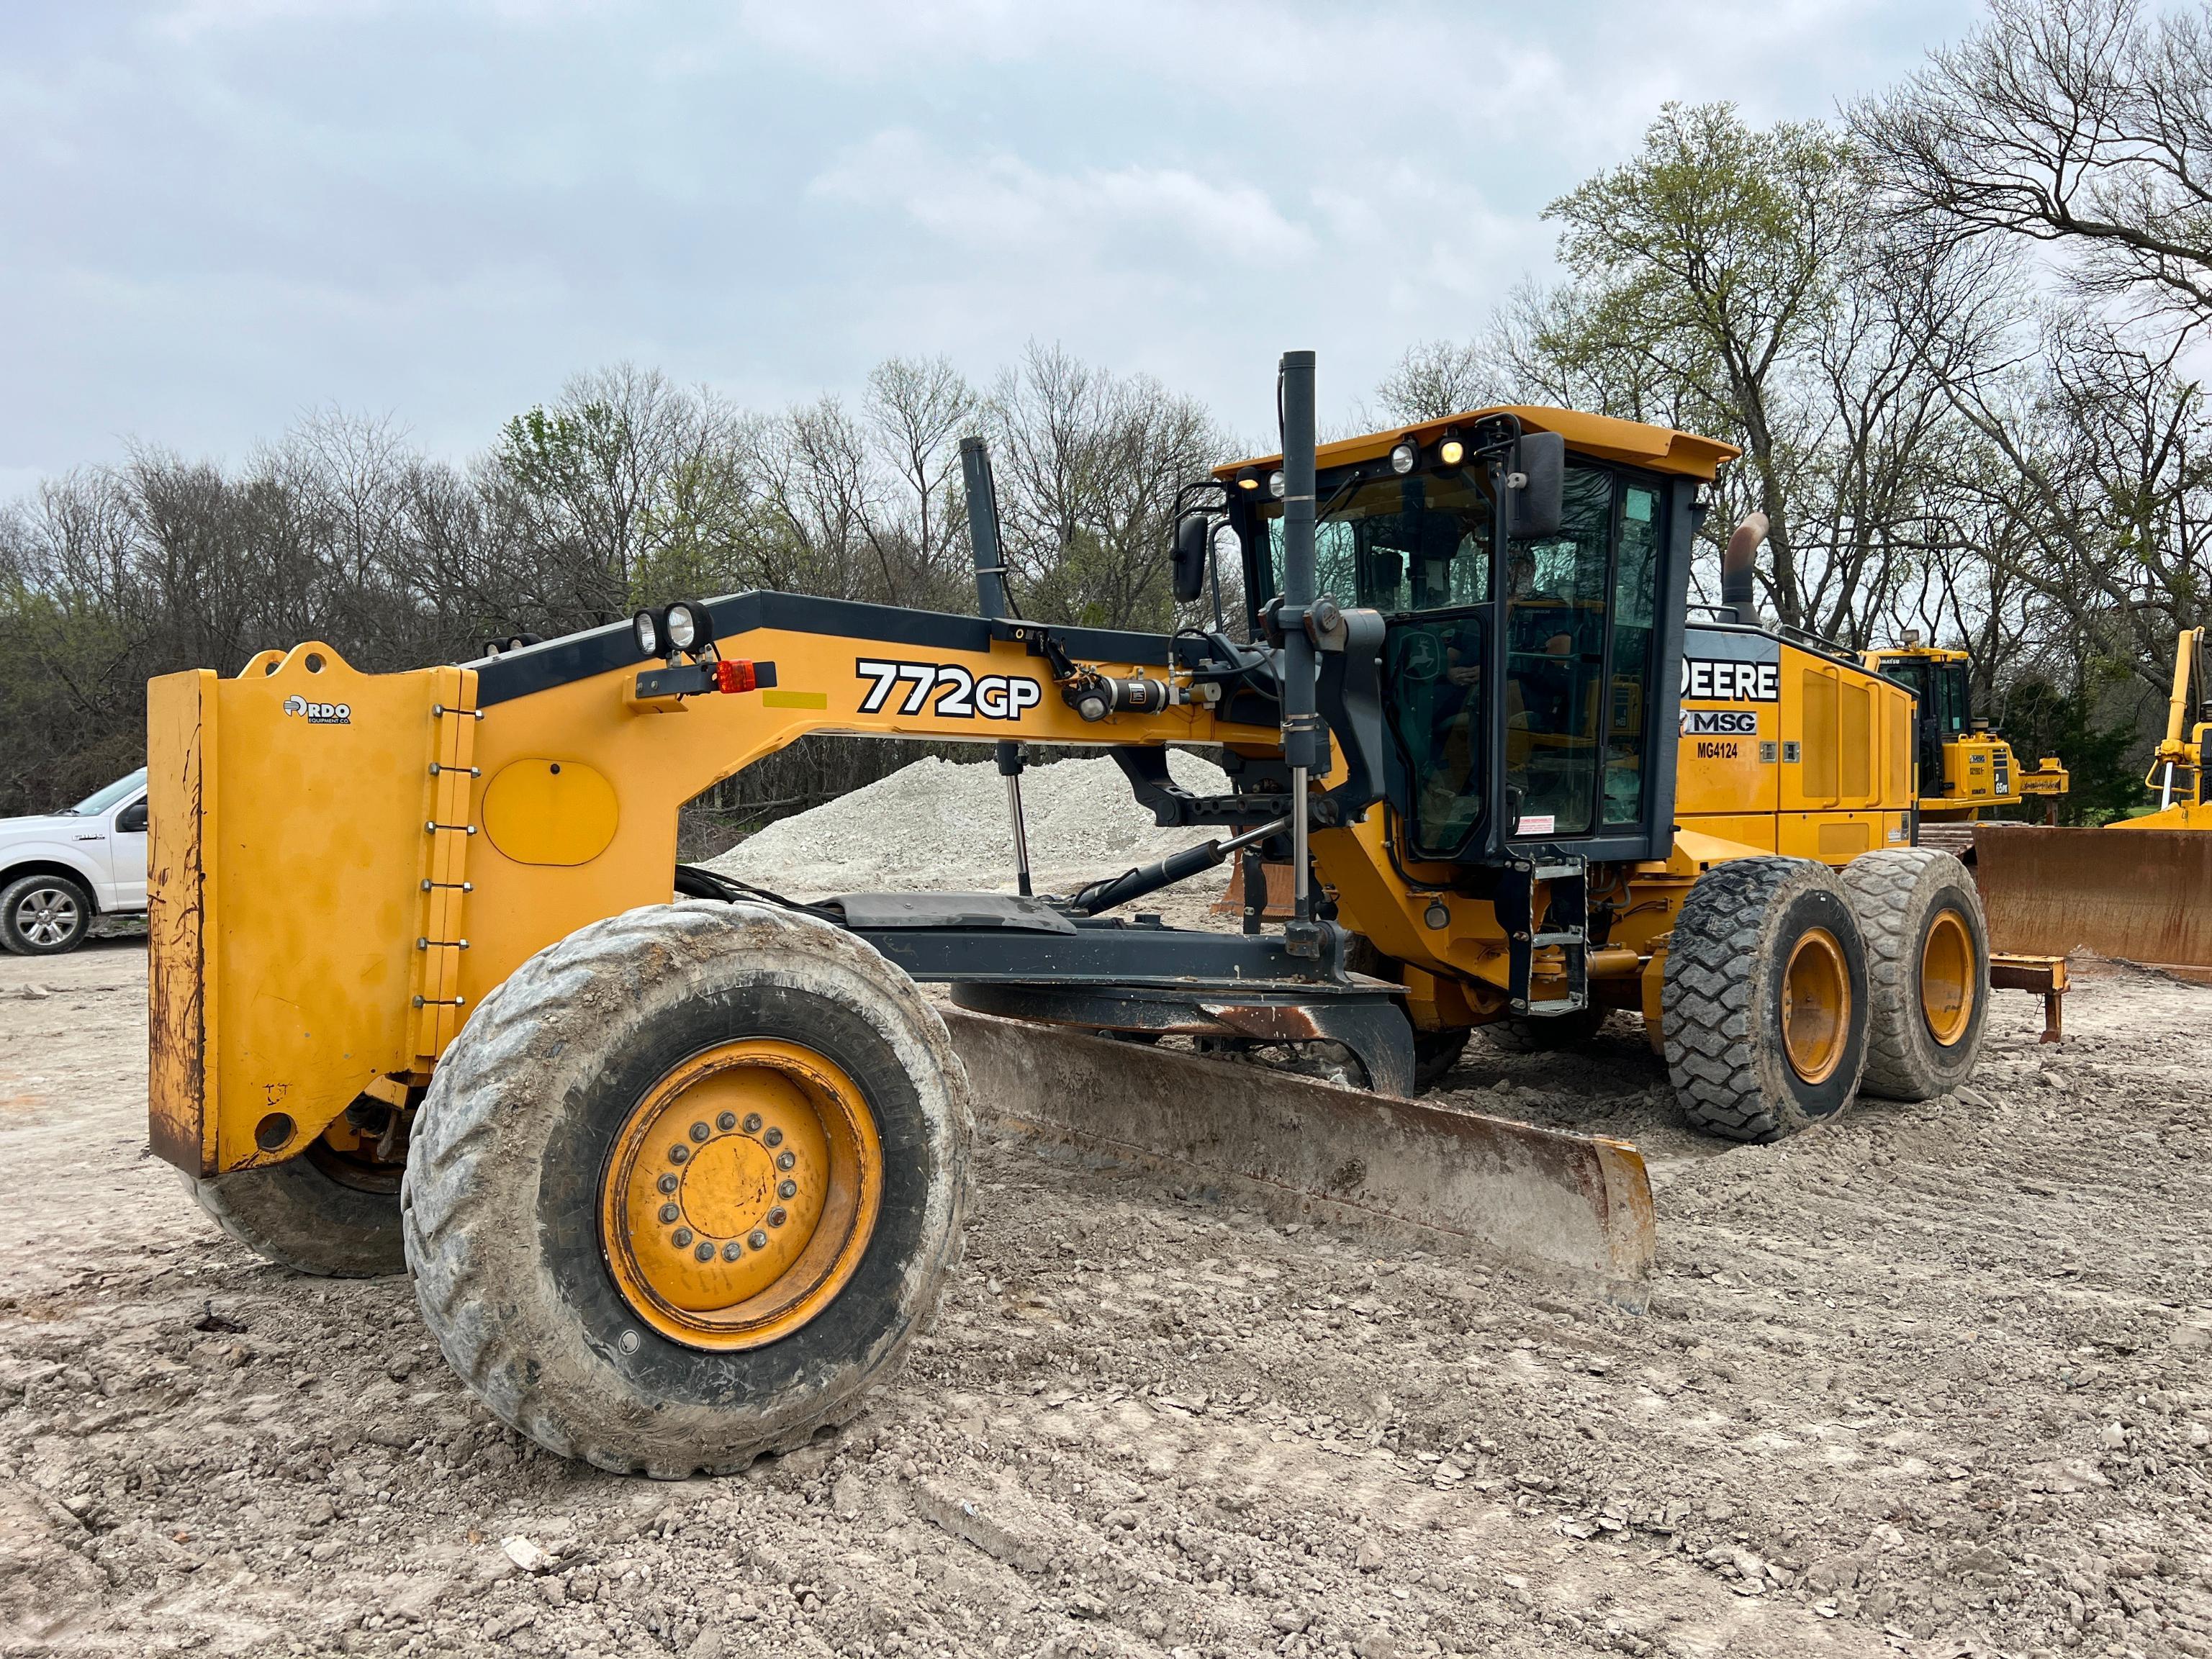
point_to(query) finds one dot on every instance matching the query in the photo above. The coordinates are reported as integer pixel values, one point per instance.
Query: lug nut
(669, 1212)
(667, 1183)
(774, 1137)
(727, 1122)
(758, 1241)
(752, 1123)
(681, 1238)
(787, 1190)
(785, 1160)
(678, 1152)
(699, 1132)
(704, 1253)
(732, 1250)
(776, 1217)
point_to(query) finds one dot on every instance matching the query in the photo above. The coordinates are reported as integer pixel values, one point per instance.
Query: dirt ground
(1931, 1380)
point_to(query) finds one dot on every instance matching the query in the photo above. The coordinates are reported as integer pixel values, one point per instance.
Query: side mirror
(1538, 506)
(131, 820)
(1192, 545)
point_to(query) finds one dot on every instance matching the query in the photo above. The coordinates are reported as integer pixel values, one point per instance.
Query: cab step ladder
(1564, 924)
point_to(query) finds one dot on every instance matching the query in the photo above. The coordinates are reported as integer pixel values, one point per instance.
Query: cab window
(1582, 611)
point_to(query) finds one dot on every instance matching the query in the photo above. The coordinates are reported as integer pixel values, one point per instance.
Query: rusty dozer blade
(1533, 1197)
(2145, 894)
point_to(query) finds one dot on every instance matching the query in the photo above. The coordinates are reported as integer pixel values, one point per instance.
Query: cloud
(996, 204)
(222, 212)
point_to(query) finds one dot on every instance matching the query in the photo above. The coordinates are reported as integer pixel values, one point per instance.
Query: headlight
(1248, 478)
(1405, 455)
(684, 629)
(647, 632)
(1452, 452)
(1275, 484)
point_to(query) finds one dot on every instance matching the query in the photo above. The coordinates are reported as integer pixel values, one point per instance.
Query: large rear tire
(1928, 970)
(300, 1216)
(1765, 1005)
(687, 1184)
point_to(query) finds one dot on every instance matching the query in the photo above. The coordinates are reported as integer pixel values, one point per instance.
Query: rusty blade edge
(1566, 1205)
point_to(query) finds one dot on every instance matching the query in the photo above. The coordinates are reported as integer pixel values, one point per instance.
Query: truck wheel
(44, 915)
(1553, 1034)
(1928, 970)
(312, 1214)
(686, 1185)
(1765, 1005)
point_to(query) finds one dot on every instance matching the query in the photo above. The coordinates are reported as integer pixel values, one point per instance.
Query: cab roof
(1659, 448)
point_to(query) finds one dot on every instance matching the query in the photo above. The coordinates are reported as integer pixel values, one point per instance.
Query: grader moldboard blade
(2143, 895)
(1579, 1204)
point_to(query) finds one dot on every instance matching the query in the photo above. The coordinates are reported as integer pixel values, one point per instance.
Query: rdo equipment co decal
(320, 713)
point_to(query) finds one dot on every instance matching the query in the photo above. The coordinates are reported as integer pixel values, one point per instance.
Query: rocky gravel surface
(1931, 1381)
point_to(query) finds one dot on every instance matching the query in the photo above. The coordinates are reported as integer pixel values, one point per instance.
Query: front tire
(1548, 1034)
(1765, 1006)
(302, 1216)
(687, 1184)
(1928, 967)
(1437, 1055)
(44, 915)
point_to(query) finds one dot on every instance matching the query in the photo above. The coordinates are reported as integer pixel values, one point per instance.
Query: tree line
(1958, 334)
(1954, 331)
(627, 490)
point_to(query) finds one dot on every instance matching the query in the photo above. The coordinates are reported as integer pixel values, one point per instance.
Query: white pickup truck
(58, 871)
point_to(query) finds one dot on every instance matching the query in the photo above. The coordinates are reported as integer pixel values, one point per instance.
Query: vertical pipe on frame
(1301, 720)
(991, 604)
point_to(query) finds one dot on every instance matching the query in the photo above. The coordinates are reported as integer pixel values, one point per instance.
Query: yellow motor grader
(2146, 895)
(1966, 769)
(676, 1181)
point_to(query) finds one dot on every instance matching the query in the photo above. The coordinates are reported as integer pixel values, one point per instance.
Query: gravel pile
(940, 824)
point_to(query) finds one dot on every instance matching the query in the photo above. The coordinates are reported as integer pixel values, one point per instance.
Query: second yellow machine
(678, 1183)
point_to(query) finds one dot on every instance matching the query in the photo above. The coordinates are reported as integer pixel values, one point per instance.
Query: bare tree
(1441, 378)
(918, 408)
(1087, 467)
(2086, 124)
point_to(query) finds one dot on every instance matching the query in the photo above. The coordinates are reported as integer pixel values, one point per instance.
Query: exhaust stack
(1736, 591)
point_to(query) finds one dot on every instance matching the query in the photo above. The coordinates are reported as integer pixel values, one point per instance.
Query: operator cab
(1592, 604)
(1938, 681)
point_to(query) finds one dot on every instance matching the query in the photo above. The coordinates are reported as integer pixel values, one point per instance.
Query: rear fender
(294, 938)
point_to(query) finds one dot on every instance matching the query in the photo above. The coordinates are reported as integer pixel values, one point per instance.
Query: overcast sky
(217, 214)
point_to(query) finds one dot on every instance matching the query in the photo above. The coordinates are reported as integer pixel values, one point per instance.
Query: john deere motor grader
(678, 1182)
(1965, 769)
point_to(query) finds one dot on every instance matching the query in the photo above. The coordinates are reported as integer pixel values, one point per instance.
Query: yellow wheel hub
(1816, 1006)
(741, 1193)
(1947, 978)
